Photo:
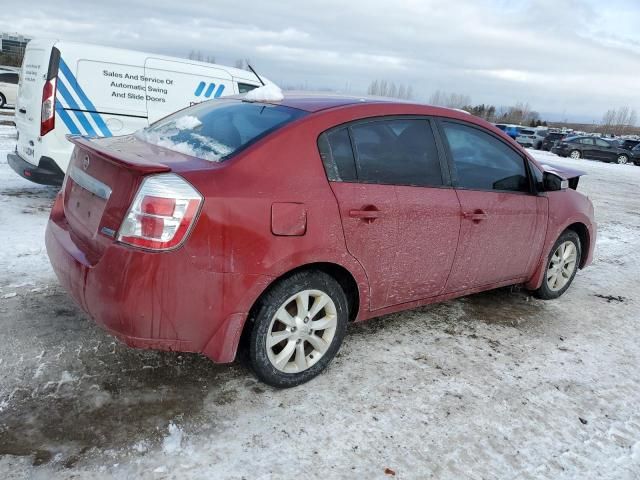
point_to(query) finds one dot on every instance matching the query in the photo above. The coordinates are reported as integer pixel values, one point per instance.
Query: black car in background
(629, 144)
(550, 140)
(591, 147)
(635, 155)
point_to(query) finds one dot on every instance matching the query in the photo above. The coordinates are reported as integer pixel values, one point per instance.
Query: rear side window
(337, 155)
(389, 152)
(215, 130)
(602, 143)
(483, 162)
(586, 141)
(397, 152)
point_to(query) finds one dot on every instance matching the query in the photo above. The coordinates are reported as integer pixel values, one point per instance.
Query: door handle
(475, 216)
(368, 215)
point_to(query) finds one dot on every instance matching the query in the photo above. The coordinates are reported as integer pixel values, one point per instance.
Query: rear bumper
(162, 301)
(46, 172)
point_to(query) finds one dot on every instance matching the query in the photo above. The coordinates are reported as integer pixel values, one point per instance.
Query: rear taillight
(48, 113)
(162, 213)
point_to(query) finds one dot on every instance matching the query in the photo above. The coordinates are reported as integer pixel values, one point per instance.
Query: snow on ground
(495, 385)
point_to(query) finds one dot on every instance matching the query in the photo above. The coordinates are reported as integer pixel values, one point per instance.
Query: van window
(246, 87)
(215, 130)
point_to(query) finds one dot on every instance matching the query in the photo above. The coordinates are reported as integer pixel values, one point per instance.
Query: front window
(483, 162)
(215, 130)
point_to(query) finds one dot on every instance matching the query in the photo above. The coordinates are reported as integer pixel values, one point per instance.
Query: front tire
(3, 101)
(561, 267)
(575, 154)
(298, 328)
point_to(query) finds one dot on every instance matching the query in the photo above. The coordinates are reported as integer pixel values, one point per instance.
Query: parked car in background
(635, 155)
(273, 224)
(550, 140)
(526, 137)
(629, 144)
(8, 87)
(82, 89)
(591, 147)
(532, 137)
(512, 130)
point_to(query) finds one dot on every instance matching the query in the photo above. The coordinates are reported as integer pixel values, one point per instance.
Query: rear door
(35, 70)
(605, 150)
(173, 85)
(400, 219)
(503, 221)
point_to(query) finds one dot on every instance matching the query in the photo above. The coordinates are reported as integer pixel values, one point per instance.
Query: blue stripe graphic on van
(88, 105)
(219, 91)
(68, 121)
(209, 91)
(66, 95)
(199, 89)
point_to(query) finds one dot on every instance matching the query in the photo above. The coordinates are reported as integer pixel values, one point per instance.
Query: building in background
(12, 47)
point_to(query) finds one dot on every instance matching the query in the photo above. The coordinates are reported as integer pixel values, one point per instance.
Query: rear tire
(575, 154)
(3, 101)
(622, 159)
(308, 311)
(561, 267)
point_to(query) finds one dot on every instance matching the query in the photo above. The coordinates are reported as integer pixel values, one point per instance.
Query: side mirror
(552, 182)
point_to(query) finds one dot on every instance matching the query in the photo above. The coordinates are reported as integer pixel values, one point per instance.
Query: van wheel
(561, 267)
(298, 328)
(3, 101)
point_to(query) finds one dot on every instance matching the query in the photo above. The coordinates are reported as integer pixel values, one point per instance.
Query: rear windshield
(215, 130)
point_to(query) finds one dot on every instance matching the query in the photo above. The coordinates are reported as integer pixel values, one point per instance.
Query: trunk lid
(103, 176)
(33, 76)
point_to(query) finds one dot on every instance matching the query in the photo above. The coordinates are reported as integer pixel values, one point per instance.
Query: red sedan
(271, 225)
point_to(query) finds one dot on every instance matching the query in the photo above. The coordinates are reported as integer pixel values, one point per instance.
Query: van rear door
(38, 66)
(173, 85)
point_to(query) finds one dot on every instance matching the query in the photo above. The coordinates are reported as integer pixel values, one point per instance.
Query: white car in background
(532, 137)
(8, 87)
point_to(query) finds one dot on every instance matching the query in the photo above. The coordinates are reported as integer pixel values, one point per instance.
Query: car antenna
(254, 72)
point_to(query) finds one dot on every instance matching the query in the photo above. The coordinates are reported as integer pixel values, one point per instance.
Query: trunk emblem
(85, 162)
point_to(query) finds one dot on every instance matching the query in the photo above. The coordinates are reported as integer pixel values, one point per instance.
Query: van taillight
(48, 114)
(161, 214)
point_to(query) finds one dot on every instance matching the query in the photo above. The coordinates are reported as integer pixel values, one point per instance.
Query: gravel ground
(495, 385)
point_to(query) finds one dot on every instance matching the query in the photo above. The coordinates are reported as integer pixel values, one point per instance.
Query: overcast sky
(569, 59)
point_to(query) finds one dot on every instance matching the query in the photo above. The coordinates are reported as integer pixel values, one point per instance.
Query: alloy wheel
(622, 159)
(575, 155)
(301, 331)
(562, 265)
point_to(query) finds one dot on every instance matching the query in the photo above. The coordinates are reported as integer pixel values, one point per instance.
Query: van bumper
(47, 172)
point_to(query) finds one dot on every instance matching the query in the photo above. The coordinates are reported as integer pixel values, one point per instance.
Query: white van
(75, 88)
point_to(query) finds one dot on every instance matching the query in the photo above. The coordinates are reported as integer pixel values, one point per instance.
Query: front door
(400, 219)
(503, 222)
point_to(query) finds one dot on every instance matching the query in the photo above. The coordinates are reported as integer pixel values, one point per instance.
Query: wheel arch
(583, 234)
(340, 273)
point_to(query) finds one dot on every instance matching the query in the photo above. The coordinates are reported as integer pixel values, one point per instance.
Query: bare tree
(450, 100)
(382, 88)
